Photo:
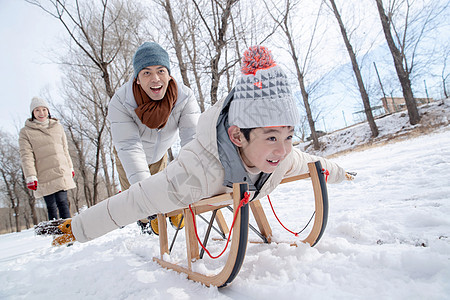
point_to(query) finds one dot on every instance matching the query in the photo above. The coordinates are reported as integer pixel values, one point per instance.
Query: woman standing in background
(45, 158)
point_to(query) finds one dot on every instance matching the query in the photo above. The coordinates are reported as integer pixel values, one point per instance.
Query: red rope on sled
(243, 202)
(326, 173)
(274, 213)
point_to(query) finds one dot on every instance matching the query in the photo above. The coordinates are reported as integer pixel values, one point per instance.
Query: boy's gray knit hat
(262, 96)
(150, 54)
(36, 102)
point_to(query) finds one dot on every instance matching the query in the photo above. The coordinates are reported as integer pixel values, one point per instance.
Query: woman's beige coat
(45, 155)
(197, 173)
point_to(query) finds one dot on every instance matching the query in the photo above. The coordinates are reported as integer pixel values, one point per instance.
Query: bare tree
(207, 37)
(102, 30)
(216, 25)
(84, 115)
(182, 36)
(177, 38)
(282, 15)
(356, 71)
(444, 72)
(405, 25)
(75, 133)
(399, 59)
(193, 57)
(444, 75)
(9, 165)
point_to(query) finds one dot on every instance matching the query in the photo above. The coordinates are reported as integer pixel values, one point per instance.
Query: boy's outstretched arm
(297, 163)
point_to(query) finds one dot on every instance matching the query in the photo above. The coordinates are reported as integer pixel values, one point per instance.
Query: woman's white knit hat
(262, 96)
(36, 102)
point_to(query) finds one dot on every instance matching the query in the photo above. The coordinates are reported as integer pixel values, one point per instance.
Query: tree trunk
(443, 85)
(109, 90)
(402, 74)
(32, 202)
(109, 187)
(96, 171)
(14, 205)
(215, 78)
(193, 59)
(305, 96)
(78, 143)
(218, 39)
(177, 43)
(357, 72)
(16, 217)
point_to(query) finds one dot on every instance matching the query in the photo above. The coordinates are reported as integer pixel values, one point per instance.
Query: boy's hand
(350, 176)
(60, 229)
(67, 236)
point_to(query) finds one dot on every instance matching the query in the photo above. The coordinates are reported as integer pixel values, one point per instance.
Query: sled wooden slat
(237, 248)
(261, 220)
(207, 204)
(224, 199)
(239, 240)
(296, 177)
(163, 239)
(191, 240)
(220, 220)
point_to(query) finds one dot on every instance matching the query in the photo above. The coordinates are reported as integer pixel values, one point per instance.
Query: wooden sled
(240, 229)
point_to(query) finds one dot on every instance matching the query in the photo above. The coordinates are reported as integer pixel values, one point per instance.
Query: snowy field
(388, 237)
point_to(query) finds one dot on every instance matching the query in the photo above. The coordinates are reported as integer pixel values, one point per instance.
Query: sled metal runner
(239, 239)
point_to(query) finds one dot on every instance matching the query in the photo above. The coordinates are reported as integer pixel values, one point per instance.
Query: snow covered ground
(388, 237)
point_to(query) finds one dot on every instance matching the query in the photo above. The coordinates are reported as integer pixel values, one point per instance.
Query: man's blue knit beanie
(150, 54)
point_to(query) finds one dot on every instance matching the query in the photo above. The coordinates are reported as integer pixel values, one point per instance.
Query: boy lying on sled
(246, 137)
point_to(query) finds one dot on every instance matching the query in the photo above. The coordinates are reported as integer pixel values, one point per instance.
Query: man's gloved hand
(67, 236)
(32, 185)
(350, 175)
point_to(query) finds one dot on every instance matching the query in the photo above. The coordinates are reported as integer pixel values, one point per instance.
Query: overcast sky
(25, 69)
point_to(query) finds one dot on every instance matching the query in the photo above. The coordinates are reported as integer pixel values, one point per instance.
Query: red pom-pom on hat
(256, 58)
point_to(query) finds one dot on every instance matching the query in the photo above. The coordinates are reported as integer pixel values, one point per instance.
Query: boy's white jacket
(197, 173)
(138, 145)
(44, 154)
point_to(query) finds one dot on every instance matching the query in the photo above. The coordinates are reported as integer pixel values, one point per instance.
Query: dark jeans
(55, 202)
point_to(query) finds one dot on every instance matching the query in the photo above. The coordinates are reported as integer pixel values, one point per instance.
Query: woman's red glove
(73, 173)
(32, 185)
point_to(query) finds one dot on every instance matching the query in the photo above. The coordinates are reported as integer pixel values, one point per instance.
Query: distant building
(390, 105)
(394, 104)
